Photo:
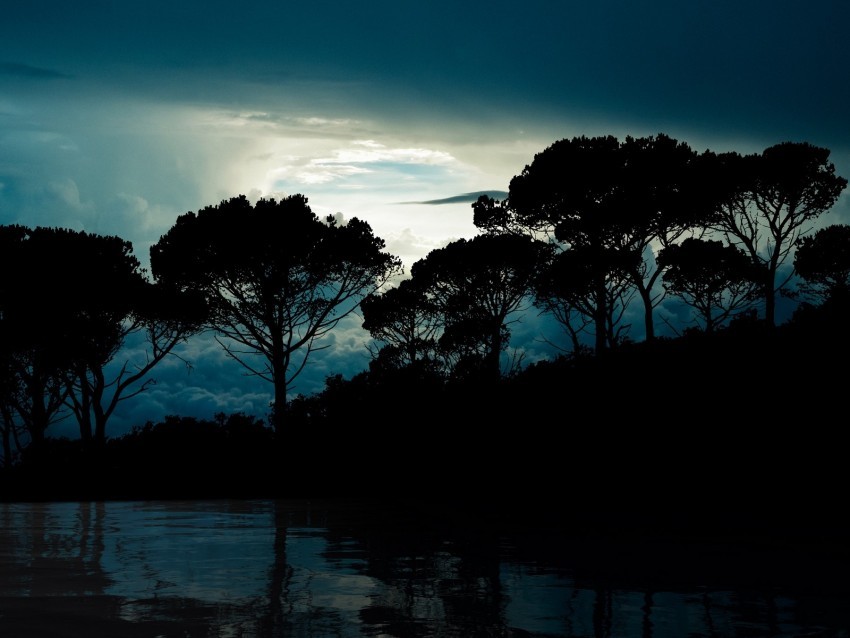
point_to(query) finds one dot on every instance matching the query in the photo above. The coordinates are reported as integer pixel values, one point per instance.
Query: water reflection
(278, 568)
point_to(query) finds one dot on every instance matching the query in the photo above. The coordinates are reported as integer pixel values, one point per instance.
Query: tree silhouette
(769, 201)
(10, 388)
(664, 196)
(39, 323)
(822, 261)
(603, 196)
(275, 277)
(570, 291)
(476, 285)
(716, 280)
(406, 321)
(568, 193)
(73, 333)
(162, 318)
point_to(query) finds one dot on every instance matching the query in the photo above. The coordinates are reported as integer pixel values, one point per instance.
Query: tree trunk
(279, 378)
(601, 318)
(38, 416)
(7, 445)
(769, 303)
(648, 319)
(99, 427)
(278, 404)
(495, 353)
(100, 417)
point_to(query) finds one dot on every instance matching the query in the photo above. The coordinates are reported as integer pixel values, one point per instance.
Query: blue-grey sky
(116, 117)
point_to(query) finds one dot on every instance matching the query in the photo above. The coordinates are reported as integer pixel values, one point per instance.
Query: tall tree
(570, 194)
(275, 277)
(769, 201)
(665, 196)
(477, 285)
(715, 279)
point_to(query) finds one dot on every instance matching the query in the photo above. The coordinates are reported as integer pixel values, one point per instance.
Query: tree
(137, 310)
(275, 278)
(405, 320)
(716, 280)
(664, 197)
(769, 201)
(38, 322)
(477, 284)
(569, 290)
(604, 196)
(822, 261)
(569, 193)
(10, 428)
(66, 338)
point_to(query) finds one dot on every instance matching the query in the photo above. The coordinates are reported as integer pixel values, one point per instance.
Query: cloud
(370, 152)
(462, 199)
(410, 247)
(68, 192)
(323, 122)
(361, 158)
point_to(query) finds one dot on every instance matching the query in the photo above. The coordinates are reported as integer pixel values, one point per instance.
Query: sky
(116, 117)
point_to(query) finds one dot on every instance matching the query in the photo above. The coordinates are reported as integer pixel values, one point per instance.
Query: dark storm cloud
(464, 198)
(776, 70)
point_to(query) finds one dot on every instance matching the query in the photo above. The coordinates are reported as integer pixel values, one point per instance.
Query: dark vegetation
(735, 409)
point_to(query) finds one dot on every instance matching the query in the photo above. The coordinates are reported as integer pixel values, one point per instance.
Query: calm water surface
(295, 568)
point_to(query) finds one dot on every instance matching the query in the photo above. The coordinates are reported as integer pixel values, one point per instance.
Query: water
(296, 568)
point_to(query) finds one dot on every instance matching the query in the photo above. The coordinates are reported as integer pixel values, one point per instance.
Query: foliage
(600, 196)
(404, 319)
(822, 261)
(715, 279)
(275, 278)
(770, 200)
(477, 286)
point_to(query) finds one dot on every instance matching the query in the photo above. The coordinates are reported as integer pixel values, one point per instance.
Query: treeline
(590, 229)
(741, 418)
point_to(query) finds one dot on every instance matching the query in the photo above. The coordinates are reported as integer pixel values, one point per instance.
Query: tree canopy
(822, 261)
(715, 279)
(768, 201)
(275, 278)
(63, 335)
(601, 196)
(476, 285)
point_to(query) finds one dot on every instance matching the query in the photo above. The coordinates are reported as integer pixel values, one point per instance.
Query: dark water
(296, 568)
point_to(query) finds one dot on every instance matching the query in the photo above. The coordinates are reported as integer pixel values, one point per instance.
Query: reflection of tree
(709, 620)
(602, 613)
(280, 575)
(364, 570)
(73, 553)
(647, 615)
(439, 579)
